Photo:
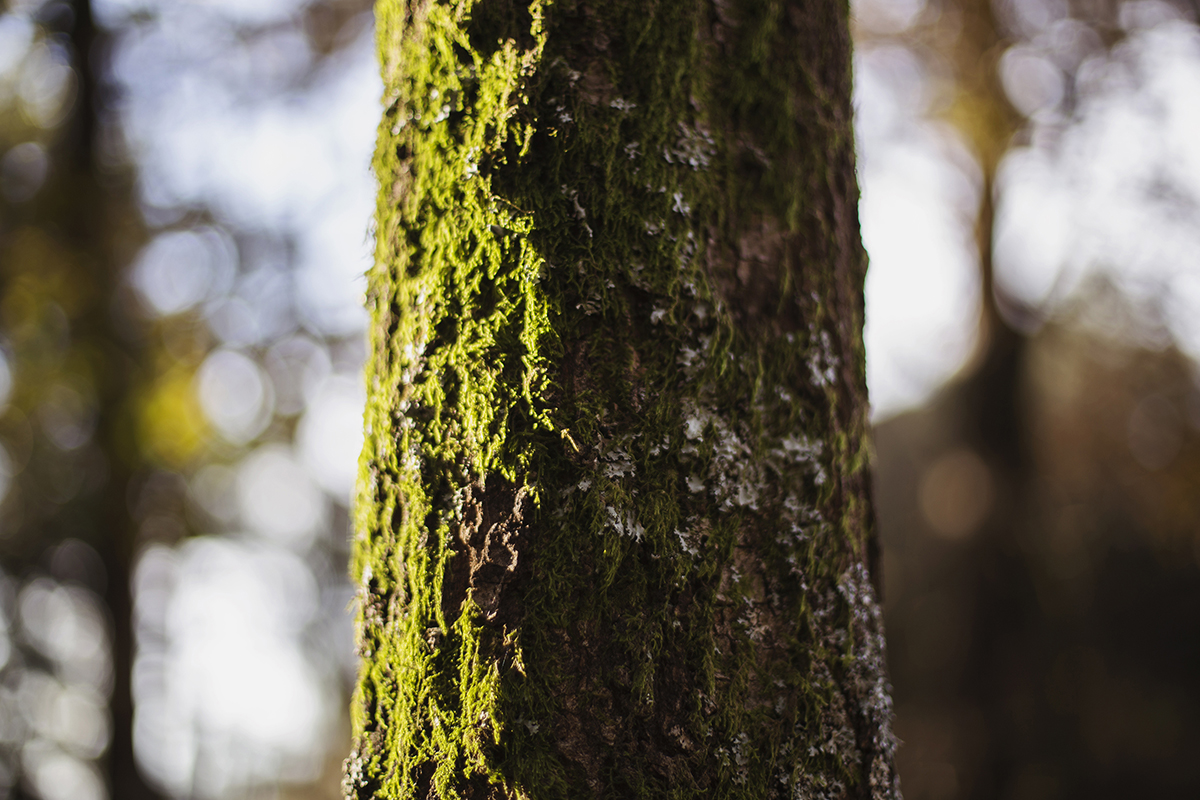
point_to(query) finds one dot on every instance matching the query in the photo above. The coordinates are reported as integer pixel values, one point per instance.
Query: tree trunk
(62, 268)
(614, 532)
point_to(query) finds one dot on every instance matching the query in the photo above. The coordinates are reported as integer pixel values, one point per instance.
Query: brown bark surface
(615, 529)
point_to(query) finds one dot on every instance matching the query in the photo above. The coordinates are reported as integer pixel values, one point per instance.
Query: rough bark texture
(614, 530)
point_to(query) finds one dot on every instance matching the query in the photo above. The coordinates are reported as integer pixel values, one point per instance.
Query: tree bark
(614, 532)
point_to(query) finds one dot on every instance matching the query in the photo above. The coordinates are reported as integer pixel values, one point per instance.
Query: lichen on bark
(613, 526)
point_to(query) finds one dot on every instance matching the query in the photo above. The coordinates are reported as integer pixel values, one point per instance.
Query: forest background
(184, 196)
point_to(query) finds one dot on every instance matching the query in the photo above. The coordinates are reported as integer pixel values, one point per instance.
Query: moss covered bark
(613, 523)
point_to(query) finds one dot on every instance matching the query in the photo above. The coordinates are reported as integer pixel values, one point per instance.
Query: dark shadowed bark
(614, 533)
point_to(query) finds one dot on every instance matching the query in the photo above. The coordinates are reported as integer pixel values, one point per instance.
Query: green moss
(610, 502)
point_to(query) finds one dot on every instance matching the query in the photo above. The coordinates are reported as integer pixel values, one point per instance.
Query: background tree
(614, 526)
(67, 226)
(1041, 579)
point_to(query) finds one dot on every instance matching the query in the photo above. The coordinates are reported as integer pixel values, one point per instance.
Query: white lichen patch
(823, 361)
(580, 211)
(745, 495)
(625, 523)
(471, 163)
(613, 481)
(686, 544)
(590, 306)
(679, 205)
(731, 473)
(853, 726)
(410, 464)
(694, 147)
(353, 774)
(528, 724)
(868, 673)
(751, 621)
(799, 450)
(741, 758)
(687, 250)
(617, 463)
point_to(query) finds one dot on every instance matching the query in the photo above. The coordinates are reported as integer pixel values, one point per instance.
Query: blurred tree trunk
(614, 530)
(982, 413)
(995, 425)
(95, 215)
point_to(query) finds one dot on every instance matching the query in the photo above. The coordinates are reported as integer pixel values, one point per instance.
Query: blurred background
(184, 207)
(184, 222)
(1031, 206)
